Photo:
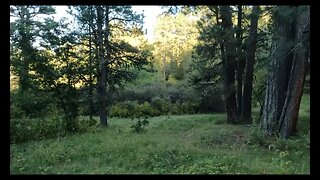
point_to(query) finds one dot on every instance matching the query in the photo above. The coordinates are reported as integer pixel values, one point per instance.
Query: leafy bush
(133, 109)
(211, 102)
(22, 130)
(172, 98)
(188, 107)
(145, 92)
(163, 105)
(158, 106)
(124, 109)
(16, 112)
(26, 129)
(147, 110)
(175, 109)
(87, 125)
(140, 93)
(256, 138)
(33, 103)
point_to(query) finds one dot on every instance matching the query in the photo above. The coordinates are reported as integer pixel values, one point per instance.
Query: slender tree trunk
(251, 50)
(107, 45)
(91, 71)
(102, 63)
(69, 124)
(222, 49)
(240, 62)
(229, 65)
(290, 111)
(164, 69)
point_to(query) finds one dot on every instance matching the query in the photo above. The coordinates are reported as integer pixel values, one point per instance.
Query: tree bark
(26, 49)
(277, 74)
(102, 64)
(251, 50)
(91, 69)
(229, 65)
(108, 51)
(240, 62)
(290, 111)
(286, 73)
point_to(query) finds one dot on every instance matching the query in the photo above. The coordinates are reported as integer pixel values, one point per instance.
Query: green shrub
(147, 110)
(23, 130)
(86, 125)
(175, 109)
(147, 91)
(158, 106)
(256, 138)
(163, 105)
(133, 109)
(16, 112)
(33, 103)
(188, 107)
(26, 129)
(124, 109)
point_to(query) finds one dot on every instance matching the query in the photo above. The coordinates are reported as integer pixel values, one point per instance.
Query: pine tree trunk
(26, 49)
(102, 74)
(108, 51)
(290, 111)
(251, 50)
(90, 96)
(278, 74)
(229, 65)
(90, 77)
(240, 62)
(286, 73)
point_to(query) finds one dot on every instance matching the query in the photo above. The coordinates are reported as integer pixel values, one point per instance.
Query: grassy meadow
(186, 144)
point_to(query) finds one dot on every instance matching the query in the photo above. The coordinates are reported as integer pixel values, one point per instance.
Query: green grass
(189, 144)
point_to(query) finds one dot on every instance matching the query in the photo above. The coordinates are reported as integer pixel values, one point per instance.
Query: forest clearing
(101, 89)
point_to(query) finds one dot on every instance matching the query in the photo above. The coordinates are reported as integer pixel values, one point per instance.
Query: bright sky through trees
(150, 13)
(150, 16)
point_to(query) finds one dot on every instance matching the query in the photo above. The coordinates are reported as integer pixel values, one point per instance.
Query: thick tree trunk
(102, 64)
(26, 49)
(277, 75)
(240, 62)
(286, 74)
(290, 111)
(229, 65)
(251, 50)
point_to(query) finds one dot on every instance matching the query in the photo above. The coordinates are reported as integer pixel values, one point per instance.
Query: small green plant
(282, 161)
(207, 166)
(139, 126)
(255, 137)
